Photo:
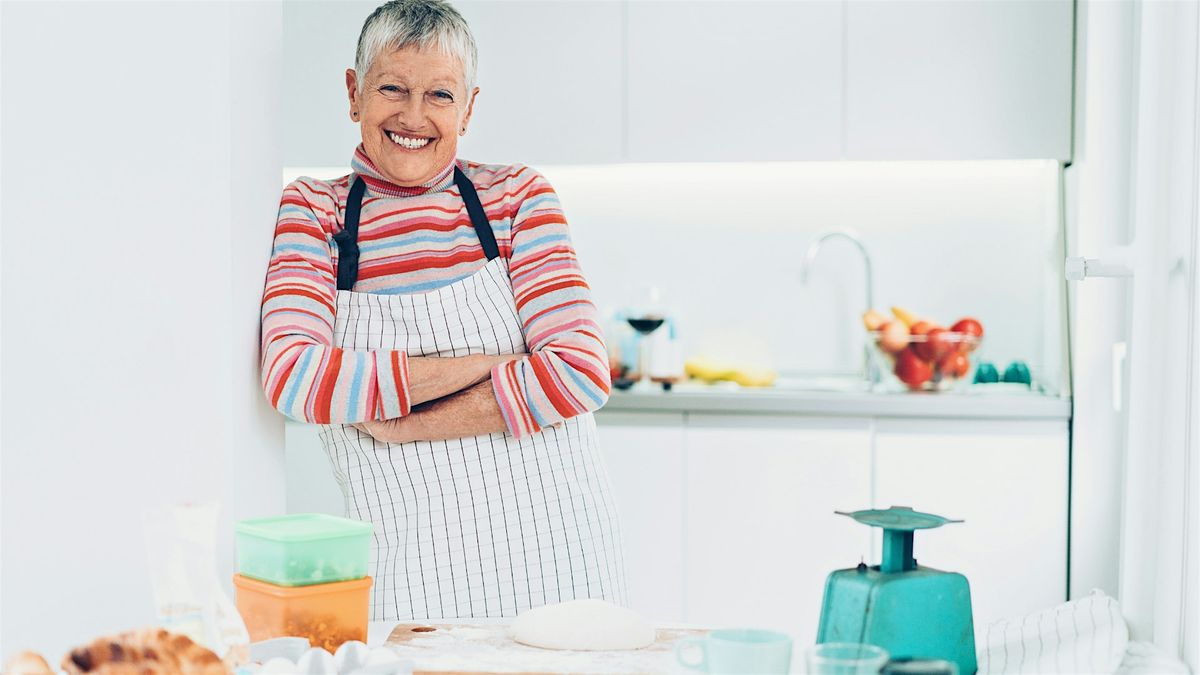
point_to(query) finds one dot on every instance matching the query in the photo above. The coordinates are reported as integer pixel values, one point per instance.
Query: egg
(316, 661)
(278, 666)
(350, 656)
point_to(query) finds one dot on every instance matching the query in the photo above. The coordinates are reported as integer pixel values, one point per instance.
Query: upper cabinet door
(550, 82)
(958, 79)
(728, 81)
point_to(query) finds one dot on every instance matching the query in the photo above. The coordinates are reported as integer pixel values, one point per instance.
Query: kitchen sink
(831, 383)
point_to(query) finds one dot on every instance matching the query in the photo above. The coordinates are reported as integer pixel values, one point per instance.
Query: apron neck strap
(347, 239)
(478, 217)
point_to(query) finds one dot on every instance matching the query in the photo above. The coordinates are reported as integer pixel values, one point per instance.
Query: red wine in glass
(646, 324)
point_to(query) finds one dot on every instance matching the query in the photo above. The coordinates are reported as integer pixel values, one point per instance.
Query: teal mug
(737, 650)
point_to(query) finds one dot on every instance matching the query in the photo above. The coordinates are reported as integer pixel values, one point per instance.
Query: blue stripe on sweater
(302, 248)
(297, 375)
(356, 384)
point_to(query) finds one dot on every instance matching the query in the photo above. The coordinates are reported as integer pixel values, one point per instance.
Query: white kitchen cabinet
(1008, 482)
(607, 81)
(728, 81)
(550, 79)
(984, 79)
(761, 535)
(644, 454)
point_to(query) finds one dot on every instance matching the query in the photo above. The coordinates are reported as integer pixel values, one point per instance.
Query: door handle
(1114, 263)
(1119, 351)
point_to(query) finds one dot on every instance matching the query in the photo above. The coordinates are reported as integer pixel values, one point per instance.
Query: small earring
(355, 114)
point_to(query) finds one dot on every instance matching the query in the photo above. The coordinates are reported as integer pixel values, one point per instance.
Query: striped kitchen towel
(1087, 635)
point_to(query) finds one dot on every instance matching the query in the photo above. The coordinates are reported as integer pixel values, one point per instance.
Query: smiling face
(413, 107)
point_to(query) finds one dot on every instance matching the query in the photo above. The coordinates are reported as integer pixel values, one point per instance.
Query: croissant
(27, 663)
(148, 651)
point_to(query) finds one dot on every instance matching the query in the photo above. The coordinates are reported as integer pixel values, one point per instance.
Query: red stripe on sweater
(550, 387)
(529, 296)
(510, 373)
(283, 377)
(401, 394)
(285, 292)
(322, 410)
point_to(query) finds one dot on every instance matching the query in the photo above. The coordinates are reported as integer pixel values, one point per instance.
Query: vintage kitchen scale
(911, 611)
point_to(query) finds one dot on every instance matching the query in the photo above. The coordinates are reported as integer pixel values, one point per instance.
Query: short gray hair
(423, 24)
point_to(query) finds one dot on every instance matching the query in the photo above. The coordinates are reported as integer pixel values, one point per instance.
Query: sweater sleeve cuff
(514, 409)
(391, 369)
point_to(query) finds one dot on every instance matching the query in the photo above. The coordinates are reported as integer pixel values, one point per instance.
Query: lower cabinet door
(1008, 482)
(761, 532)
(644, 454)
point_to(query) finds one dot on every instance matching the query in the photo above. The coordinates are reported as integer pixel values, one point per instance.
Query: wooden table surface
(486, 648)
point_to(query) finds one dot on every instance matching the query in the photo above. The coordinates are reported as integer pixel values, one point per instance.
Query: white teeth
(410, 143)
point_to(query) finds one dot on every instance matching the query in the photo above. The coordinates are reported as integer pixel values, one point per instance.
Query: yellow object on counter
(906, 317)
(716, 371)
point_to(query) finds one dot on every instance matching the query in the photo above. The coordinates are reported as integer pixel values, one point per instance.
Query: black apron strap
(483, 228)
(347, 239)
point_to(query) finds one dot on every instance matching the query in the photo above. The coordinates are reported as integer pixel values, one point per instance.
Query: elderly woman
(430, 314)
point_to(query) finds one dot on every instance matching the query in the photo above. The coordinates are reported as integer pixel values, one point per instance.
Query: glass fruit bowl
(934, 361)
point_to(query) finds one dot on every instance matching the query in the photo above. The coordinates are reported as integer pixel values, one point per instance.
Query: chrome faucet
(870, 368)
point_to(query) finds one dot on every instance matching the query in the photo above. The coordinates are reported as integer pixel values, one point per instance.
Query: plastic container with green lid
(302, 549)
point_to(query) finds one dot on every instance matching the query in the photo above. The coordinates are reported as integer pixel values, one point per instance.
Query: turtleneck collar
(379, 186)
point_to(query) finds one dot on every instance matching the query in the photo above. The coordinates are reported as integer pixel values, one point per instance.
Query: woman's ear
(352, 92)
(462, 128)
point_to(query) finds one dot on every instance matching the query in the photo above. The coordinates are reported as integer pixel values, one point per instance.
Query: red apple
(954, 364)
(940, 342)
(925, 348)
(968, 326)
(912, 369)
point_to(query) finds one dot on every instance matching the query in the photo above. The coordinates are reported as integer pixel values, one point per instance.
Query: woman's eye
(441, 97)
(391, 89)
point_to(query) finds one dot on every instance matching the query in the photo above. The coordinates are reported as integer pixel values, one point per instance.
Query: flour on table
(593, 625)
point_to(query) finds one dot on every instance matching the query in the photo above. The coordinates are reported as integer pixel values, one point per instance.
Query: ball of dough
(583, 624)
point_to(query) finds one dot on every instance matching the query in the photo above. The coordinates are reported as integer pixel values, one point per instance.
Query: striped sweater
(414, 240)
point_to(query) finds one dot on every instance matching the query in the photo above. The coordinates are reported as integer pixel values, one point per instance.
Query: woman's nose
(413, 107)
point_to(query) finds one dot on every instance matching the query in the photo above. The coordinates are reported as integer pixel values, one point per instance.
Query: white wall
(141, 158)
(725, 242)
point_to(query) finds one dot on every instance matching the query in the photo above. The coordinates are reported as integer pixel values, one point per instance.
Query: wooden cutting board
(479, 649)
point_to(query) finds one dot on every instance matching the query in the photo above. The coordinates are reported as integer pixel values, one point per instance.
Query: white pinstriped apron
(484, 526)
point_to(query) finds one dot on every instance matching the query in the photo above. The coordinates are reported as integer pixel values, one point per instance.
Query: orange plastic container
(326, 614)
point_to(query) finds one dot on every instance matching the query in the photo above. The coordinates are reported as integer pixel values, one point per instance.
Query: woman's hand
(408, 428)
(434, 377)
(398, 430)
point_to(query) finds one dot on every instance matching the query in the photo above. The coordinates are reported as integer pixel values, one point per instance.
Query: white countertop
(982, 402)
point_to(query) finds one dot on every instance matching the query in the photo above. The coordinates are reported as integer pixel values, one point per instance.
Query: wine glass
(646, 315)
